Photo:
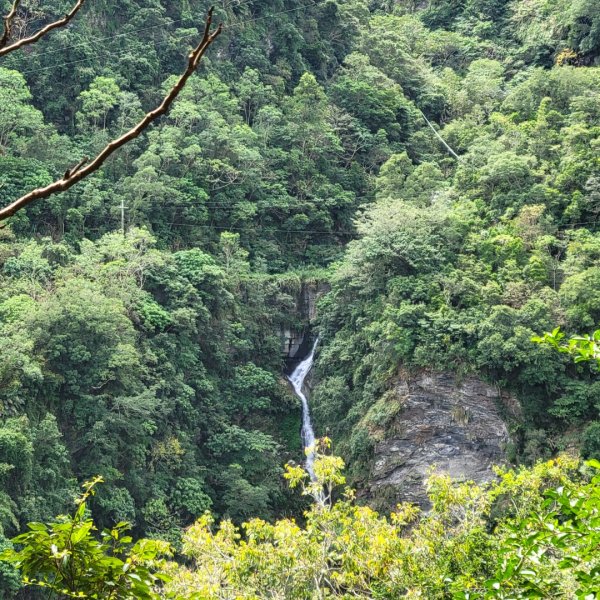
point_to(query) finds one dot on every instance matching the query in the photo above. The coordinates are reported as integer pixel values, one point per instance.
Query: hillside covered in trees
(435, 165)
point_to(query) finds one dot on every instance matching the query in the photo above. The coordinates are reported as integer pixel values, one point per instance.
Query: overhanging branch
(5, 48)
(85, 167)
(8, 22)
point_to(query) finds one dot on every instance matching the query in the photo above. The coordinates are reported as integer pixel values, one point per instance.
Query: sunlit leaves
(584, 348)
(71, 558)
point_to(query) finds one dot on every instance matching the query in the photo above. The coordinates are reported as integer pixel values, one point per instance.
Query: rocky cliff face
(294, 341)
(439, 420)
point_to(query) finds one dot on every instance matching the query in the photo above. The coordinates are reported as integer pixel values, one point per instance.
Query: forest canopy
(435, 165)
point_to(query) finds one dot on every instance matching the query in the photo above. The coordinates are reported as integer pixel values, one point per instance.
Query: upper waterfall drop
(297, 378)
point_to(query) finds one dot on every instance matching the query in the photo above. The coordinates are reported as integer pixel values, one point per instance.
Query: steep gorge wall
(295, 342)
(458, 425)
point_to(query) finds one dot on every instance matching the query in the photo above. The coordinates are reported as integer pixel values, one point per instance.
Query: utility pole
(123, 207)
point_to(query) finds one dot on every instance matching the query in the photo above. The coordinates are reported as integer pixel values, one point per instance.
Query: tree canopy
(434, 165)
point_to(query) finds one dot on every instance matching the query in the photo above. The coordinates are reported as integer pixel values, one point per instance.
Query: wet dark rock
(296, 342)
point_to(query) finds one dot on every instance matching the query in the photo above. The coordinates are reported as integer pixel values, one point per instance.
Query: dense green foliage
(154, 395)
(533, 533)
(299, 152)
(460, 262)
(585, 348)
(66, 559)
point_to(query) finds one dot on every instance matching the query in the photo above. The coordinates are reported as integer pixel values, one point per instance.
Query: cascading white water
(297, 378)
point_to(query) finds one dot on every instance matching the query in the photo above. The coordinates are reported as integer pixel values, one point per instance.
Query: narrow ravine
(297, 378)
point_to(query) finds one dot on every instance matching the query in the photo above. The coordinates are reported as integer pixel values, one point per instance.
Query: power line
(105, 39)
(234, 26)
(252, 229)
(211, 204)
(263, 228)
(570, 225)
(132, 31)
(439, 137)
(307, 231)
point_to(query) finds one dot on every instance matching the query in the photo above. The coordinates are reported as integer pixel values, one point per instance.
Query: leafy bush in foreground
(531, 533)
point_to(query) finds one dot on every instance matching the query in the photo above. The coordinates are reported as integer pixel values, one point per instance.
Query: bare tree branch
(8, 22)
(84, 167)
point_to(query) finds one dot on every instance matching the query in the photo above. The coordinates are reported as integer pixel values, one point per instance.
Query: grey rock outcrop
(294, 342)
(453, 424)
(291, 342)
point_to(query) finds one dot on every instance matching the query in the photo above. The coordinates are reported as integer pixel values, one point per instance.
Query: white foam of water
(297, 378)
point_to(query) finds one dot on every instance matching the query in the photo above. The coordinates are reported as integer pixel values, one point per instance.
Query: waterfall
(297, 378)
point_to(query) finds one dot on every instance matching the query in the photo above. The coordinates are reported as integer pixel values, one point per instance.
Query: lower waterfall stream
(297, 378)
